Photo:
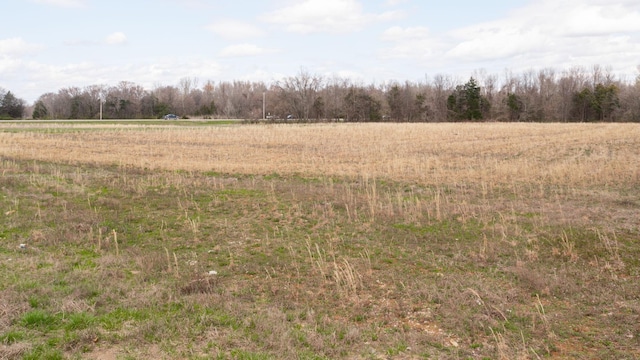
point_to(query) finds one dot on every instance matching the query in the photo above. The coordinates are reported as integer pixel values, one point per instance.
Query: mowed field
(320, 241)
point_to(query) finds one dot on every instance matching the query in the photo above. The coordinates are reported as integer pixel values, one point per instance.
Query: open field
(560, 154)
(365, 241)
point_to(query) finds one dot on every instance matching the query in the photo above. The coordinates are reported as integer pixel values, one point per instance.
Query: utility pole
(264, 105)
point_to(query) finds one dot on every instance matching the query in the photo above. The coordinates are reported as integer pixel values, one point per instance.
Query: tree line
(574, 95)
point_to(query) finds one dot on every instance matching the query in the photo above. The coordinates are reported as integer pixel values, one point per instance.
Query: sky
(46, 45)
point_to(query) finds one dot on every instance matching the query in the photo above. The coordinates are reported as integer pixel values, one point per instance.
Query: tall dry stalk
(115, 240)
(346, 278)
(372, 197)
(317, 258)
(568, 247)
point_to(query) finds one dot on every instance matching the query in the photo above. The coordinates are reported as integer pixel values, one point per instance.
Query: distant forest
(575, 95)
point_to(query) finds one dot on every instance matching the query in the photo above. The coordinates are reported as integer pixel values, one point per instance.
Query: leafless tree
(443, 85)
(300, 92)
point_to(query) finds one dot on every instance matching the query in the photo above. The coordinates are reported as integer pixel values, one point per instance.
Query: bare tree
(333, 95)
(488, 84)
(123, 101)
(568, 84)
(300, 92)
(167, 100)
(546, 102)
(443, 85)
(630, 100)
(187, 103)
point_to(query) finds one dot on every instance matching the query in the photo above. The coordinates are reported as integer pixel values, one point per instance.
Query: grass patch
(11, 337)
(184, 264)
(39, 320)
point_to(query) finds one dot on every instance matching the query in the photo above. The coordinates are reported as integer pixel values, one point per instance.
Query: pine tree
(467, 102)
(11, 106)
(40, 111)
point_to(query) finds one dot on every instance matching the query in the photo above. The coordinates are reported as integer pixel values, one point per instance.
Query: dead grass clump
(204, 284)
(11, 307)
(15, 350)
(152, 265)
(347, 279)
(533, 279)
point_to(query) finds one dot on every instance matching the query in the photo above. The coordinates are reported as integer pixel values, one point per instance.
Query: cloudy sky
(46, 45)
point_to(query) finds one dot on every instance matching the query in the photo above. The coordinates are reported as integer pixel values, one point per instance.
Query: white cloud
(594, 19)
(549, 30)
(116, 38)
(544, 33)
(17, 46)
(42, 77)
(243, 50)
(261, 74)
(398, 33)
(410, 43)
(63, 3)
(235, 30)
(172, 71)
(334, 16)
(498, 43)
(8, 66)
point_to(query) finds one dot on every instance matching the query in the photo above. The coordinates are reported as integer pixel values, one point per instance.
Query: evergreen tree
(467, 102)
(515, 105)
(421, 108)
(11, 106)
(394, 101)
(473, 99)
(360, 106)
(40, 111)
(598, 104)
(605, 101)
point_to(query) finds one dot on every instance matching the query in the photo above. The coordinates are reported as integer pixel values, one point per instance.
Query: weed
(11, 337)
(79, 321)
(43, 352)
(39, 319)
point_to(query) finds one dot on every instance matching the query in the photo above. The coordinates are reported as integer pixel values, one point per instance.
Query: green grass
(276, 266)
(44, 353)
(12, 337)
(39, 320)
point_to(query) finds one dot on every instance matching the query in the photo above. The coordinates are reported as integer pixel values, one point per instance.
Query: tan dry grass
(492, 153)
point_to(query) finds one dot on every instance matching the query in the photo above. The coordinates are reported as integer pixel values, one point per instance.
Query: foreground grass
(126, 263)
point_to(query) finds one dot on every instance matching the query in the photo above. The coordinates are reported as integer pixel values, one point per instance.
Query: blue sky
(46, 45)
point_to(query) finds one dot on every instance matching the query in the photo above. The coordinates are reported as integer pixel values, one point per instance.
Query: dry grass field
(323, 241)
(559, 154)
